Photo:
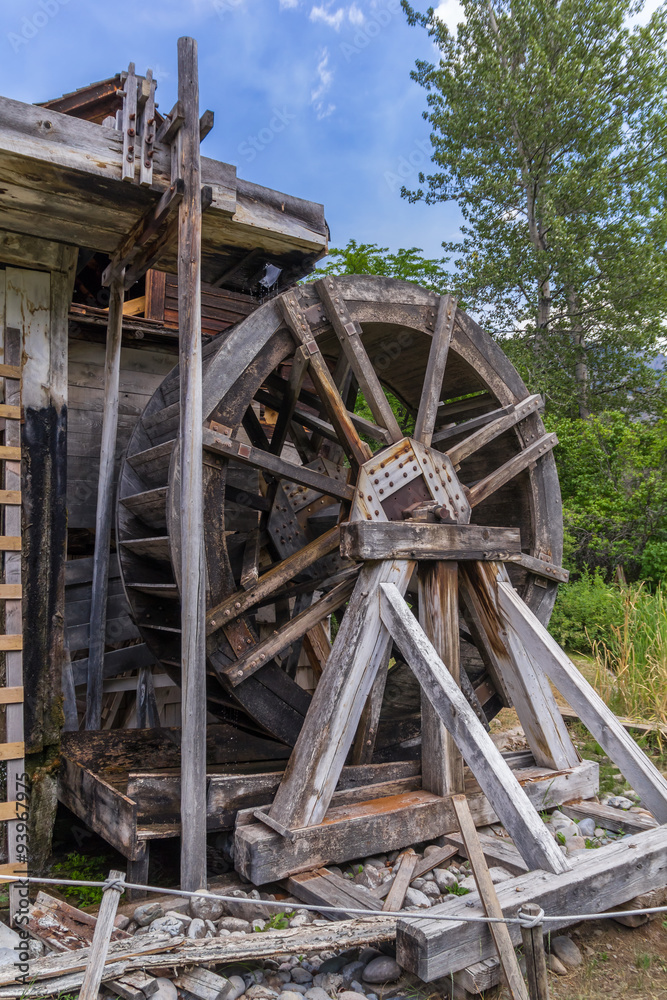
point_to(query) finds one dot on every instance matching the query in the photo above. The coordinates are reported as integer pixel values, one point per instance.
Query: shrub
(586, 611)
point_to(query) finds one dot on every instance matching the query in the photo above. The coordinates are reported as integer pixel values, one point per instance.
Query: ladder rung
(10, 371)
(11, 696)
(10, 543)
(12, 751)
(10, 412)
(10, 454)
(13, 868)
(11, 642)
(12, 810)
(10, 496)
(11, 591)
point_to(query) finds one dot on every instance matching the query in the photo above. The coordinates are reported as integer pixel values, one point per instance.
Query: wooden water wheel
(277, 489)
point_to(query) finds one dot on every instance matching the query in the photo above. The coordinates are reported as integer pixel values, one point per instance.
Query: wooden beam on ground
(601, 722)
(193, 582)
(496, 851)
(405, 867)
(101, 940)
(424, 540)
(328, 889)
(633, 725)
(104, 512)
(609, 818)
(435, 369)
(204, 984)
(487, 894)
(482, 756)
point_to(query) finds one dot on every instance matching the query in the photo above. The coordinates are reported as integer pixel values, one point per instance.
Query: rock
(357, 987)
(260, 992)
(224, 933)
(289, 995)
(132, 927)
(330, 982)
(382, 970)
(210, 927)
(576, 844)
(444, 879)
(418, 883)
(431, 849)
(499, 875)
(234, 924)
(167, 925)
(351, 995)
(620, 802)
(246, 908)
(146, 914)
(301, 918)
(317, 993)
(370, 878)
(299, 988)
(367, 955)
(564, 948)
(587, 827)
(416, 898)
(378, 861)
(197, 928)
(599, 832)
(336, 962)
(238, 987)
(468, 883)
(122, 922)
(254, 977)
(272, 979)
(352, 971)
(166, 990)
(300, 975)
(335, 870)
(431, 889)
(206, 909)
(258, 924)
(554, 964)
(37, 950)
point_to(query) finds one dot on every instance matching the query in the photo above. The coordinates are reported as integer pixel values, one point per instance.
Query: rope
(522, 921)
(529, 921)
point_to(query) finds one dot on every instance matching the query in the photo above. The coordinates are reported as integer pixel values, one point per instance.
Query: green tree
(368, 258)
(549, 128)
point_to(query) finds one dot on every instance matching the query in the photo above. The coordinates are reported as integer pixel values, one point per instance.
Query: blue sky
(312, 97)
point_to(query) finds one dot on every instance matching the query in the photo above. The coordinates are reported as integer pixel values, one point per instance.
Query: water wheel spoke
(484, 435)
(290, 399)
(435, 369)
(357, 450)
(491, 483)
(468, 426)
(348, 332)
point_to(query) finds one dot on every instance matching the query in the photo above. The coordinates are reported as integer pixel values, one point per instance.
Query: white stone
(415, 897)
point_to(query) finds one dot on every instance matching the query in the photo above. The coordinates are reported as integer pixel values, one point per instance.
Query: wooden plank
(129, 125)
(349, 335)
(268, 583)
(424, 540)
(10, 497)
(442, 763)
(490, 484)
(601, 722)
(328, 731)
(496, 851)
(328, 889)
(13, 868)
(535, 955)
(12, 751)
(101, 940)
(11, 642)
(11, 371)
(601, 880)
(11, 591)
(468, 426)
(482, 756)
(403, 877)
(490, 431)
(105, 498)
(10, 543)
(489, 899)
(10, 412)
(204, 984)
(193, 570)
(538, 566)
(62, 927)
(219, 444)
(9, 453)
(609, 818)
(12, 810)
(435, 369)
(634, 725)
(263, 652)
(290, 399)
(11, 695)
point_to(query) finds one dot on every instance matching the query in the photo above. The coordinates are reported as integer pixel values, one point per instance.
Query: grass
(84, 869)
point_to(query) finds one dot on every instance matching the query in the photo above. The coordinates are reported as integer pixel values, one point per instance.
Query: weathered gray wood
(328, 731)
(464, 449)
(496, 851)
(101, 940)
(486, 487)
(468, 426)
(350, 337)
(489, 900)
(105, 496)
(328, 889)
(485, 761)
(601, 880)
(193, 582)
(596, 716)
(609, 818)
(539, 566)
(442, 763)
(204, 984)
(404, 874)
(423, 540)
(535, 955)
(435, 369)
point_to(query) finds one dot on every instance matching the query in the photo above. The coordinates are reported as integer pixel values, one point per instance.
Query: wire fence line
(527, 920)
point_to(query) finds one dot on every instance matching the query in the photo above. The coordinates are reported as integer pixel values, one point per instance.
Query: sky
(311, 97)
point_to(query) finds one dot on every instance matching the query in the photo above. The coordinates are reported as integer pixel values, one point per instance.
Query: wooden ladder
(13, 811)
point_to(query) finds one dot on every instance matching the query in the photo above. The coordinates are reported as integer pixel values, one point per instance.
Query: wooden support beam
(596, 716)
(487, 894)
(104, 512)
(482, 756)
(10, 543)
(328, 889)
(468, 426)
(484, 435)
(11, 642)
(9, 453)
(11, 498)
(425, 540)
(490, 484)
(435, 369)
(204, 985)
(496, 850)
(11, 371)
(405, 867)
(11, 696)
(11, 591)
(193, 582)
(10, 412)
(535, 955)
(129, 125)
(101, 940)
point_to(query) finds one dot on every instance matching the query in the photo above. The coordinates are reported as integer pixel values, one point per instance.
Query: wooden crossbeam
(10, 371)
(10, 543)
(12, 751)
(9, 453)
(11, 591)
(13, 868)
(435, 369)
(485, 487)
(10, 412)
(10, 497)
(11, 642)
(424, 540)
(11, 695)
(464, 449)
(12, 810)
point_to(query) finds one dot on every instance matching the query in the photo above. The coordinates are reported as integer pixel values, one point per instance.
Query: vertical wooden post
(101, 938)
(193, 648)
(104, 513)
(442, 763)
(536, 959)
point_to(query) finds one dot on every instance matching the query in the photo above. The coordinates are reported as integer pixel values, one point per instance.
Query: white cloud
(450, 12)
(325, 79)
(288, 4)
(335, 18)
